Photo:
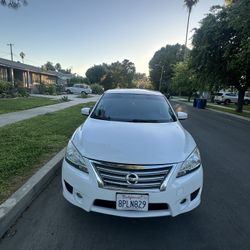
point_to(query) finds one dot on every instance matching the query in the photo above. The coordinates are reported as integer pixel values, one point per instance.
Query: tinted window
(133, 108)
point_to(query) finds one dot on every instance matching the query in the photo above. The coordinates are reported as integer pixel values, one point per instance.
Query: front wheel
(227, 101)
(68, 91)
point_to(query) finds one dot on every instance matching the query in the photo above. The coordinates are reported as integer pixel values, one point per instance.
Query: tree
(128, 72)
(108, 81)
(139, 76)
(221, 48)
(14, 4)
(122, 73)
(48, 66)
(184, 81)
(228, 2)
(96, 73)
(22, 55)
(116, 74)
(58, 67)
(141, 81)
(189, 4)
(161, 65)
(79, 79)
(65, 71)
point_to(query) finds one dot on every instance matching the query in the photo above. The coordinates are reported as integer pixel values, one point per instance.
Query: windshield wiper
(107, 118)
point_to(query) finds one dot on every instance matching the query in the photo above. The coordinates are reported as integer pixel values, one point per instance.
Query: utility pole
(11, 53)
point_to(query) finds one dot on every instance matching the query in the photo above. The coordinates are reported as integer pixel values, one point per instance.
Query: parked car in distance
(229, 97)
(79, 89)
(132, 158)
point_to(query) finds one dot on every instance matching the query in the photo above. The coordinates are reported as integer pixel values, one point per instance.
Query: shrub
(51, 89)
(83, 95)
(42, 88)
(64, 99)
(6, 87)
(97, 89)
(47, 89)
(23, 92)
(59, 89)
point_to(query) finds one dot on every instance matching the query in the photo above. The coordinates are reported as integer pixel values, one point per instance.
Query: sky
(81, 33)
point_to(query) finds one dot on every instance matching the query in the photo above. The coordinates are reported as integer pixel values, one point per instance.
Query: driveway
(222, 221)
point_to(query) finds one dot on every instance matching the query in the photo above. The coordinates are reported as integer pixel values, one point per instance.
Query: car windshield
(133, 108)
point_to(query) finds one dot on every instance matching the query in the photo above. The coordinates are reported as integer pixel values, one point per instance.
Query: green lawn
(83, 96)
(25, 146)
(233, 106)
(231, 111)
(16, 104)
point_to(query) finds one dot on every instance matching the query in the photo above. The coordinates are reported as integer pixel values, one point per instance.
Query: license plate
(136, 202)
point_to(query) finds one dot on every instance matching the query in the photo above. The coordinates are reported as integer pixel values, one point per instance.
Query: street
(222, 221)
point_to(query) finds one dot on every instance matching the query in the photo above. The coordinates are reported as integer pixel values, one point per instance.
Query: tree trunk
(240, 103)
(185, 52)
(189, 96)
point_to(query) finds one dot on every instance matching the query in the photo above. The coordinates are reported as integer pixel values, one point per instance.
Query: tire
(218, 103)
(68, 91)
(246, 102)
(84, 93)
(227, 101)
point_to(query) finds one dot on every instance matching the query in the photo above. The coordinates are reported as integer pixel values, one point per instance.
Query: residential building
(30, 76)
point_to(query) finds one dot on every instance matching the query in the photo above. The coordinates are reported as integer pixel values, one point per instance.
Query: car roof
(133, 91)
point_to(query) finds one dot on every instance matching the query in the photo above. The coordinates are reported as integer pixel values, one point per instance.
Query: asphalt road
(222, 221)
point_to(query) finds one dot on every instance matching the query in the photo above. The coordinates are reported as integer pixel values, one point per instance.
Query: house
(30, 76)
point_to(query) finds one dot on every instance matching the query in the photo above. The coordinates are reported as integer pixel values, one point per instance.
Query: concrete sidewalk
(13, 117)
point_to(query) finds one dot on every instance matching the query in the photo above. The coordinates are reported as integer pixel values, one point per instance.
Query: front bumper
(180, 196)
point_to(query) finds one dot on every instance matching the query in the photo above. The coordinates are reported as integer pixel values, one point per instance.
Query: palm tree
(189, 4)
(14, 4)
(22, 55)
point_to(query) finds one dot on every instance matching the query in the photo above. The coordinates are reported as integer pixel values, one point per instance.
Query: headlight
(74, 158)
(191, 163)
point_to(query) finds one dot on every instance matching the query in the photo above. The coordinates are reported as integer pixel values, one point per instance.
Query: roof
(27, 67)
(134, 91)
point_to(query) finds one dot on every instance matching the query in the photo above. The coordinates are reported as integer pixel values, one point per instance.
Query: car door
(233, 97)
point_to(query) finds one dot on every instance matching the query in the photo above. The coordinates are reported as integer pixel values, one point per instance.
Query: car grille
(121, 176)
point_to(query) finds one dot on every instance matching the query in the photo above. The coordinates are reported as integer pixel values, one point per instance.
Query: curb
(218, 111)
(13, 207)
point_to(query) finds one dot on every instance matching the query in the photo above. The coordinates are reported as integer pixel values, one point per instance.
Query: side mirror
(182, 115)
(85, 111)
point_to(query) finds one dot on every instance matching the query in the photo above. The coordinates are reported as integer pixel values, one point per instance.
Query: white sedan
(133, 158)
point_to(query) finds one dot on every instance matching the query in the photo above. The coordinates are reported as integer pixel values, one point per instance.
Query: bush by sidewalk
(8, 90)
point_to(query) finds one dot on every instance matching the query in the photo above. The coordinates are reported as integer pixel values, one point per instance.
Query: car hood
(133, 143)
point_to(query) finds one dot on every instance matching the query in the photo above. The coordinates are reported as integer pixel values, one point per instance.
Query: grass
(27, 145)
(231, 111)
(22, 103)
(84, 96)
(233, 106)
